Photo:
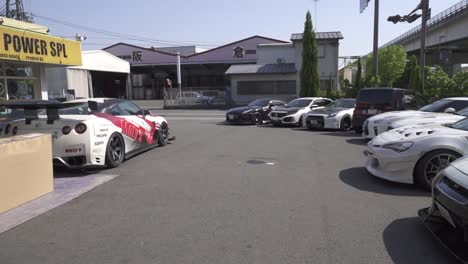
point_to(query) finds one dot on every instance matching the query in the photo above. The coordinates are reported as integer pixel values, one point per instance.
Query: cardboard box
(26, 171)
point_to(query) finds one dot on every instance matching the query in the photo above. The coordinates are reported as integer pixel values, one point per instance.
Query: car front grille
(279, 115)
(319, 121)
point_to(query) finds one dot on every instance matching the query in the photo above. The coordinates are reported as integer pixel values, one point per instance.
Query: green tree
(415, 74)
(392, 62)
(310, 79)
(461, 82)
(439, 85)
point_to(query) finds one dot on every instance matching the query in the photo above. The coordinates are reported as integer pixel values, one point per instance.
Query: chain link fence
(195, 97)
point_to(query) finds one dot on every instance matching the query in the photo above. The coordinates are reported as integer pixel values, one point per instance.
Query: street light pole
(422, 54)
(376, 39)
(315, 29)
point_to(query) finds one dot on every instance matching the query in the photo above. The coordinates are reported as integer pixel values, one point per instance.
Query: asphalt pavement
(235, 194)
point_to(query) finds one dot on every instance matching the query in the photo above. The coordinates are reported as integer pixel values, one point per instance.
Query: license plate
(231, 116)
(372, 111)
(445, 214)
(313, 122)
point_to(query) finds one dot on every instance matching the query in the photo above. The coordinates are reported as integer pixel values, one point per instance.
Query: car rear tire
(163, 134)
(115, 150)
(430, 164)
(345, 123)
(257, 119)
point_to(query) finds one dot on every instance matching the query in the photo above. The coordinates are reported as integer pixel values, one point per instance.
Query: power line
(116, 34)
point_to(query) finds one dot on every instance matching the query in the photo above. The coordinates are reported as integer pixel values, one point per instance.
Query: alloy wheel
(436, 164)
(115, 148)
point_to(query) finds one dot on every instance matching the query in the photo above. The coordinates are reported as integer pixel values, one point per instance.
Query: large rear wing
(31, 108)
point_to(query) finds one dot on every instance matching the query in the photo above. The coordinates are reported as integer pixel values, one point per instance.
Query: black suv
(373, 101)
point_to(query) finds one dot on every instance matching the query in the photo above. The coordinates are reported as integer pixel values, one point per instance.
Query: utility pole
(422, 55)
(7, 8)
(376, 39)
(315, 29)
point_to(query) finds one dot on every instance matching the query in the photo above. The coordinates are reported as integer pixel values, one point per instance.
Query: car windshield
(6, 113)
(260, 102)
(462, 124)
(437, 106)
(345, 103)
(376, 96)
(463, 112)
(299, 103)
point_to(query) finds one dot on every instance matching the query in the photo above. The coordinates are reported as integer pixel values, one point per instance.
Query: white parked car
(380, 123)
(292, 113)
(433, 119)
(415, 154)
(338, 115)
(89, 132)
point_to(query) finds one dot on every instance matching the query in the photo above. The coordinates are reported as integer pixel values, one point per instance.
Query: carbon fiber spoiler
(31, 108)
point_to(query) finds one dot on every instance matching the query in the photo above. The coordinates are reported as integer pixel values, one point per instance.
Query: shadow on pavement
(362, 180)
(61, 172)
(408, 241)
(357, 141)
(340, 133)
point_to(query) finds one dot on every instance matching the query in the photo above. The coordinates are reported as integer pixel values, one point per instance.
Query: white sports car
(90, 132)
(435, 118)
(415, 154)
(338, 115)
(292, 113)
(380, 123)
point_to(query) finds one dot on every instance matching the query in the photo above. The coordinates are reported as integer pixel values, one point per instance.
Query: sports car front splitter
(453, 241)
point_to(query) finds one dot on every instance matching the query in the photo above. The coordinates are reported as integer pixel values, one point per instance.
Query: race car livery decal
(131, 129)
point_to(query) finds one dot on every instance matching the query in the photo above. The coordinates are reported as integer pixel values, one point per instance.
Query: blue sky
(214, 22)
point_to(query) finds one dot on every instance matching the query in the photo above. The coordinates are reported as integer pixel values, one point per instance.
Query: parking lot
(235, 194)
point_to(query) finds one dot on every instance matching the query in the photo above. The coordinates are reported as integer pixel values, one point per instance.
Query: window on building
(17, 81)
(321, 51)
(266, 87)
(137, 80)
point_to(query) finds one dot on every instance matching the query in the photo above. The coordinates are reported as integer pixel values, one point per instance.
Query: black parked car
(254, 113)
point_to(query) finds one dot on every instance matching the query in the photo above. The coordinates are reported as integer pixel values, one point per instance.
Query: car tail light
(14, 131)
(66, 130)
(80, 128)
(7, 129)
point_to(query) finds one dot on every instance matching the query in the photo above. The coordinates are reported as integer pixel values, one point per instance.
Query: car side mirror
(146, 112)
(450, 110)
(313, 106)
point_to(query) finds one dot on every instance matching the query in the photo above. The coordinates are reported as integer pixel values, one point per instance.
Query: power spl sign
(22, 45)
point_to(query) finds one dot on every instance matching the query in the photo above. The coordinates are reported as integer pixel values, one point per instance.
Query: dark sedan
(254, 113)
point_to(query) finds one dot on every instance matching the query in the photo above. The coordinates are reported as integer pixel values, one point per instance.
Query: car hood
(396, 115)
(287, 109)
(239, 110)
(329, 110)
(428, 120)
(414, 132)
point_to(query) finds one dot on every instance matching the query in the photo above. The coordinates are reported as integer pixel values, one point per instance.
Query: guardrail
(449, 12)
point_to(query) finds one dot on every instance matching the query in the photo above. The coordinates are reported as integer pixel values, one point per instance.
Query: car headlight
(332, 115)
(399, 147)
(247, 111)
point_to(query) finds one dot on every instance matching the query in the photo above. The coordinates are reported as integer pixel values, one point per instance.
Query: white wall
(245, 99)
(328, 64)
(270, 53)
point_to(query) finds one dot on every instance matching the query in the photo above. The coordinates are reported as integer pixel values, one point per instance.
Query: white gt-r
(380, 123)
(292, 113)
(338, 115)
(415, 154)
(94, 132)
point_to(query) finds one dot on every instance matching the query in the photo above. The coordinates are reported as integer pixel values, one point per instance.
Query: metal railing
(189, 97)
(449, 12)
